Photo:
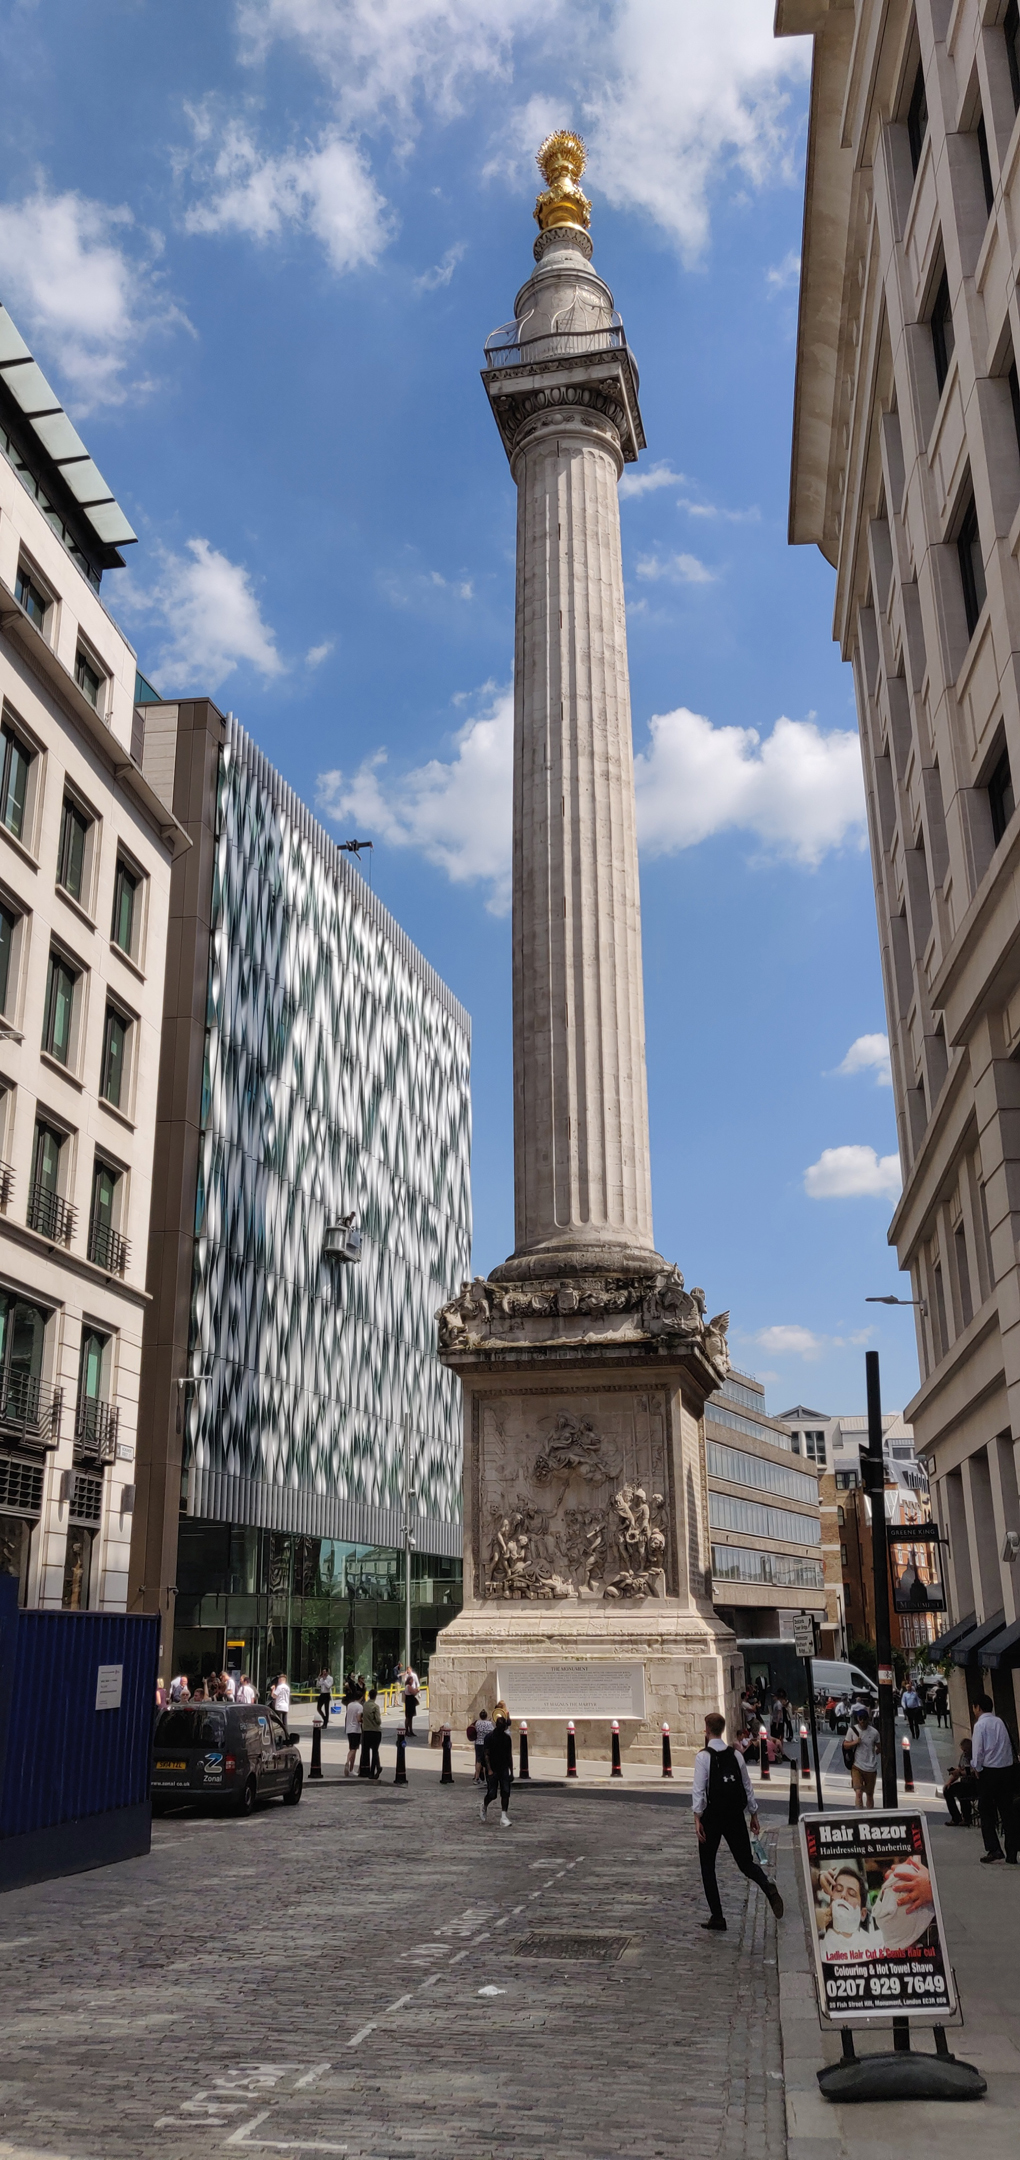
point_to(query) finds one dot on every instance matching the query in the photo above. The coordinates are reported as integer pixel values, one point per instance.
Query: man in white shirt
(722, 1795)
(324, 1695)
(995, 1766)
(279, 1696)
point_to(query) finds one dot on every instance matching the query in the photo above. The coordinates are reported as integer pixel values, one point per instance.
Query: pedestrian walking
(324, 1696)
(940, 1702)
(246, 1693)
(995, 1765)
(723, 1794)
(371, 1735)
(279, 1696)
(412, 1690)
(353, 1716)
(913, 1709)
(862, 1751)
(479, 1731)
(499, 1770)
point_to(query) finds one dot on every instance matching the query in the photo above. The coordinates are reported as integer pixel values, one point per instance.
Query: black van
(230, 1753)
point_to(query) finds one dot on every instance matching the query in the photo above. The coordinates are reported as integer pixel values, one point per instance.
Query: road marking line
(310, 2076)
(362, 2035)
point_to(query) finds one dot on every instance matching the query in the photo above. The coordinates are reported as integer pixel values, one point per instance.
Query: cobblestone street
(325, 1980)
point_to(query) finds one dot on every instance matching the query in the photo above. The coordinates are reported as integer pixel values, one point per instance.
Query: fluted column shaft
(581, 1154)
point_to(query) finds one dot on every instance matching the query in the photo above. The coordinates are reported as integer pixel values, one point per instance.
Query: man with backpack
(723, 1793)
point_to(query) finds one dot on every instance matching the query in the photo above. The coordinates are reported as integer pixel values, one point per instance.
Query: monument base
(586, 1537)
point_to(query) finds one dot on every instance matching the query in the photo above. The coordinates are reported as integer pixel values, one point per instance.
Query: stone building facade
(906, 473)
(86, 847)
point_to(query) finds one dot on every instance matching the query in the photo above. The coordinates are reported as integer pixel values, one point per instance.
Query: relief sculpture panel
(574, 1497)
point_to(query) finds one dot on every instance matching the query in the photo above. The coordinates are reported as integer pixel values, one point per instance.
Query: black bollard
(805, 1759)
(316, 1768)
(667, 1755)
(364, 1761)
(763, 1756)
(523, 1772)
(571, 1750)
(617, 1769)
(447, 1776)
(400, 1775)
(908, 1767)
(794, 1814)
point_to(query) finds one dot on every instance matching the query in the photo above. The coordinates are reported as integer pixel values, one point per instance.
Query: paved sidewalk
(981, 1911)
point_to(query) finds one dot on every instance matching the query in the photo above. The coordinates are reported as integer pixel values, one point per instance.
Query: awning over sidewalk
(970, 1649)
(1004, 1648)
(953, 1635)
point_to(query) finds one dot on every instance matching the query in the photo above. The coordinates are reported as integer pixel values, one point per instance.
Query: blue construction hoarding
(77, 1696)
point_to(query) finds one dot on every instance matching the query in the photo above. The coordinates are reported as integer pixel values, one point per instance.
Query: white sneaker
(483, 1810)
(505, 1821)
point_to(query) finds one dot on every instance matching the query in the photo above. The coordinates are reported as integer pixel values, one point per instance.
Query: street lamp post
(409, 1539)
(874, 1469)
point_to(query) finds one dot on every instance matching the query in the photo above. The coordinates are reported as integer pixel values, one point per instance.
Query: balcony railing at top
(30, 1409)
(505, 347)
(6, 1185)
(50, 1214)
(107, 1248)
(95, 1431)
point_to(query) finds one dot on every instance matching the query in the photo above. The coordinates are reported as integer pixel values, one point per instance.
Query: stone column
(563, 388)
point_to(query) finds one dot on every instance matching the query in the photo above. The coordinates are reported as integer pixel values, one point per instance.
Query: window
(755, 1520)
(840, 1513)
(78, 1567)
(57, 1024)
(785, 1571)
(814, 1446)
(972, 568)
(74, 832)
(8, 926)
(1011, 33)
(106, 1247)
(943, 336)
(32, 598)
(843, 1556)
(14, 782)
(95, 1422)
(986, 166)
(22, 1341)
(88, 677)
(963, 1278)
(48, 1211)
(124, 894)
(1001, 800)
(115, 1044)
(740, 1469)
(847, 1480)
(917, 118)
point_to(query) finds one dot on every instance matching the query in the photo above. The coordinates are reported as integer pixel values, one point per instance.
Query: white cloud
(650, 478)
(79, 280)
(391, 56)
(870, 1053)
(327, 191)
(316, 654)
(784, 273)
(677, 569)
(422, 588)
(853, 1173)
(801, 791)
(690, 92)
(431, 280)
(458, 814)
(714, 510)
(792, 1341)
(211, 616)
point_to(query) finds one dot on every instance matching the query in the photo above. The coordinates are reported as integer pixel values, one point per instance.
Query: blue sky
(258, 248)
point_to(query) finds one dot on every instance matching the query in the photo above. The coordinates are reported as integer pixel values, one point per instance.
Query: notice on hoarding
(878, 1941)
(109, 1686)
(589, 1689)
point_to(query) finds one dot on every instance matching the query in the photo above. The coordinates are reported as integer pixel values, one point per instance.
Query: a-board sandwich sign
(878, 1940)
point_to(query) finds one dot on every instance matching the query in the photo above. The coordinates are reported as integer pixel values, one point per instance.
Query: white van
(836, 1676)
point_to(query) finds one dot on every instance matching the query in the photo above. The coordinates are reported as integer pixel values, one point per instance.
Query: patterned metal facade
(336, 1079)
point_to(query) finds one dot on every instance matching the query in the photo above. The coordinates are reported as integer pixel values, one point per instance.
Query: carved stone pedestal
(585, 1502)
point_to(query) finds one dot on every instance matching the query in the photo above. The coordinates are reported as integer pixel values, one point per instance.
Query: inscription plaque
(585, 1690)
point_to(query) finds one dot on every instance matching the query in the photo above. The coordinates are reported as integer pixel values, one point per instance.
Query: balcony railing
(6, 1186)
(505, 347)
(49, 1213)
(30, 1409)
(107, 1248)
(95, 1431)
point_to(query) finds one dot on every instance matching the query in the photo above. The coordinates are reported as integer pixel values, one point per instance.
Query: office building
(86, 846)
(906, 474)
(311, 1214)
(763, 1515)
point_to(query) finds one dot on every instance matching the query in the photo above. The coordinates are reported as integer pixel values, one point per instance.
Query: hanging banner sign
(878, 1941)
(914, 1566)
